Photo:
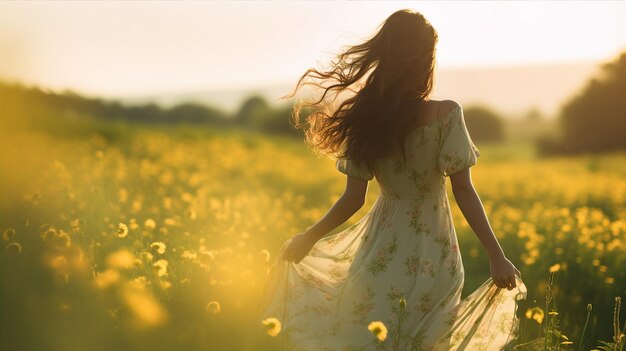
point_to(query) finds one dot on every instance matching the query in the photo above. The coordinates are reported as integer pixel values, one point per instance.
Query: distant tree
(278, 122)
(255, 113)
(146, 113)
(595, 119)
(252, 111)
(70, 103)
(483, 124)
(115, 110)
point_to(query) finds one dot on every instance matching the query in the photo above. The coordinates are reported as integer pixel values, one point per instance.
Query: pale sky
(149, 47)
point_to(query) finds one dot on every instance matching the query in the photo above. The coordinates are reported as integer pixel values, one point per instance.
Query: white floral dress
(405, 247)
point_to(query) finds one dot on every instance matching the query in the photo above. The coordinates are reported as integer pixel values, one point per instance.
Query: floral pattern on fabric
(458, 152)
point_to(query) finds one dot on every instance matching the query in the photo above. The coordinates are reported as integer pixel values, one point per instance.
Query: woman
(400, 264)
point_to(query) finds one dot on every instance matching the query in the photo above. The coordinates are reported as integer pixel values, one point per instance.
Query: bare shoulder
(447, 106)
(435, 110)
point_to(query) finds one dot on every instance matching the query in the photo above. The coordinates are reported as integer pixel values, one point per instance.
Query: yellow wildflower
(123, 195)
(56, 238)
(170, 221)
(133, 224)
(555, 268)
(265, 255)
(138, 283)
(8, 234)
(535, 313)
(75, 224)
(147, 256)
(144, 307)
(189, 255)
(122, 259)
(122, 230)
(273, 326)
(378, 328)
(165, 284)
(214, 307)
(149, 223)
(159, 247)
(105, 279)
(161, 267)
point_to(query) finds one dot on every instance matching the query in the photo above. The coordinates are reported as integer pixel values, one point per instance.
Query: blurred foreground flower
(8, 234)
(189, 255)
(144, 307)
(121, 259)
(159, 247)
(535, 313)
(122, 230)
(149, 223)
(57, 239)
(102, 280)
(161, 267)
(165, 284)
(14, 247)
(273, 326)
(214, 307)
(133, 224)
(378, 328)
(265, 255)
(555, 268)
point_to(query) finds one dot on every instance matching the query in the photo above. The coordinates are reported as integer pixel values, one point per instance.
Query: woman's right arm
(351, 201)
(348, 204)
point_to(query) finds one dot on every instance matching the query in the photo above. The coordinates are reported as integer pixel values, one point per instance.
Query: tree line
(594, 120)
(254, 113)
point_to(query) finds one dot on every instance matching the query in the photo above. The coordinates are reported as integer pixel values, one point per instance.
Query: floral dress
(406, 248)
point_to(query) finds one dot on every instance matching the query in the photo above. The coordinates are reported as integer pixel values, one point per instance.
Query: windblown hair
(376, 120)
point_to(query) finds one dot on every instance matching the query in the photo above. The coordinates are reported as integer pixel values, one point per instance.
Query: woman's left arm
(352, 199)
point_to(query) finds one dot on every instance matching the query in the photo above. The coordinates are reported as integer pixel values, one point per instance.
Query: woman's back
(438, 146)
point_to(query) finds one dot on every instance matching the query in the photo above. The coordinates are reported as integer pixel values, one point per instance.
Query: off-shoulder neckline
(438, 119)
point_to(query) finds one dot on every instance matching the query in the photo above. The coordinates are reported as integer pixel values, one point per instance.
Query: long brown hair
(375, 122)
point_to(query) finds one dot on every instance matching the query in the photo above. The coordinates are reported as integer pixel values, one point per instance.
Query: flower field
(161, 239)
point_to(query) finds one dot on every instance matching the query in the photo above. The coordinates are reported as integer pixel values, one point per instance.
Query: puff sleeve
(354, 169)
(457, 151)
